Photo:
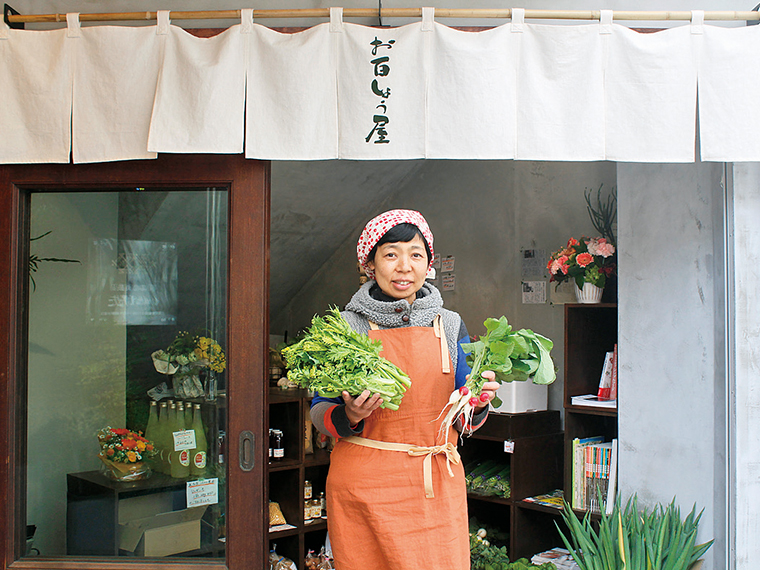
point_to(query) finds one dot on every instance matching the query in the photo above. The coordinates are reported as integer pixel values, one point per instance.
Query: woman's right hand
(362, 406)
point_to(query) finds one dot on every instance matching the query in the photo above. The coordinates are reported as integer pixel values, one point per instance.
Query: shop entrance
(136, 294)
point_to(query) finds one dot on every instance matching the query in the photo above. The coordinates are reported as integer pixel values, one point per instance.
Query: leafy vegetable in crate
(332, 357)
(510, 355)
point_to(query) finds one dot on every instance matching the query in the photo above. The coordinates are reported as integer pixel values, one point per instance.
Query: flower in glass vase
(588, 260)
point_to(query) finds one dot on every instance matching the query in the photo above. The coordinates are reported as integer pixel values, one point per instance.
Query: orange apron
(379, 516)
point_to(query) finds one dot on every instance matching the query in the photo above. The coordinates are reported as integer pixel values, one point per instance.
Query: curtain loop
(605, 22)
(246, 20)
(518, 19)
(162, 22)
(428, 17)
(697, 19)
(73, 30)
(336, 20)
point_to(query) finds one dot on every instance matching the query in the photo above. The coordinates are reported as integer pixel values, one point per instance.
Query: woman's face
(400, 268)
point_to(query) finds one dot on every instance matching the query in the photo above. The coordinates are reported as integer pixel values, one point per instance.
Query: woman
(396, 494)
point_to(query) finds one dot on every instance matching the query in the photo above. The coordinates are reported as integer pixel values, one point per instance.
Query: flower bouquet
(185, 359)
(589, 260)
(124, 453)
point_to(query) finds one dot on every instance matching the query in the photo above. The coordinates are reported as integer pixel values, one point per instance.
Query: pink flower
(600, 247)
(584, 259)
(558, 265)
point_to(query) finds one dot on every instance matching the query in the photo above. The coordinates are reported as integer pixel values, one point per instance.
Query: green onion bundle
(332, 357)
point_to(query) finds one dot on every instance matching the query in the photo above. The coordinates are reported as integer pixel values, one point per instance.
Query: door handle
(246, 450)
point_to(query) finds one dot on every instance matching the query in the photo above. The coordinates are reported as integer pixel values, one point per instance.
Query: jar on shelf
(307, 490)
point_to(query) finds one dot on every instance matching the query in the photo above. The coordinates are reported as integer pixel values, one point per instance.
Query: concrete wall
(746, 295)
(671, 341)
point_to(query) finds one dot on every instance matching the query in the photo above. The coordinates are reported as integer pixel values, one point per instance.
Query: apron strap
(440, 333)
(448, 449)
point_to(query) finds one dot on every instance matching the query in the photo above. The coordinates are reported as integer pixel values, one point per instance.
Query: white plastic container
(518, 397)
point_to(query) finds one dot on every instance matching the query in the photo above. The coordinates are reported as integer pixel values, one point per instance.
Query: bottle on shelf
(161, 441)
(322, 505)
(198, 455)
(307, 489)
(179, 460)
(150, 428)
(278, 449)
(188, 415)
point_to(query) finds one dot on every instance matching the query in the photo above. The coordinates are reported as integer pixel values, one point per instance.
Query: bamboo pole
(485, 13)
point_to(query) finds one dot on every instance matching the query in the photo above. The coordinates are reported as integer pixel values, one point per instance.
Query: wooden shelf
(531, 443)
(590, 332)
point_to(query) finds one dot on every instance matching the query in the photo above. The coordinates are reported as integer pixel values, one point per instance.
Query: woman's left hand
(489, 388)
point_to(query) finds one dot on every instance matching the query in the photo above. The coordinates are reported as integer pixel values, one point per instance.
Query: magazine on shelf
(578, 481)
(560, 557)
(554, 499)
(592, 400)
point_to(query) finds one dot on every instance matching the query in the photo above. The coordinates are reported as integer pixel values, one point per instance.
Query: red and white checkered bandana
(378, 226)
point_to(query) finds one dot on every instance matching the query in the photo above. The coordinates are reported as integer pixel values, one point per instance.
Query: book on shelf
(577, 468)
(594, 475)
(605, 380)
(614, 382)
(554, 499)
(592, 401)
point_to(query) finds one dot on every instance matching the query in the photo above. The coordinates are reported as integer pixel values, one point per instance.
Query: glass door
(136, 389)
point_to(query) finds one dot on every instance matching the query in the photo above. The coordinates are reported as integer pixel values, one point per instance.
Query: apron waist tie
(448, 449)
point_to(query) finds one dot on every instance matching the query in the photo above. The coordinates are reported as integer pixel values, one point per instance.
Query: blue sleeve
(462, 367)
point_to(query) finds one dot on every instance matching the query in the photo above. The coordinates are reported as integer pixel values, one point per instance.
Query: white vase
(589, 294)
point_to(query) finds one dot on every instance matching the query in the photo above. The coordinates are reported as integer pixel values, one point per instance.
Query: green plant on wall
(35, 260)
(603, 212)
(630, 538)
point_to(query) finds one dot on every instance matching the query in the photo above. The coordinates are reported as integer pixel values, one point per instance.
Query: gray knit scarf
(363, 308)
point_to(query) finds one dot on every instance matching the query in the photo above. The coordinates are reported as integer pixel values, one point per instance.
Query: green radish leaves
(511, 355)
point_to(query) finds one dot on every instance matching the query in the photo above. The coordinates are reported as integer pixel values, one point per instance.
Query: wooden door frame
(247, 350)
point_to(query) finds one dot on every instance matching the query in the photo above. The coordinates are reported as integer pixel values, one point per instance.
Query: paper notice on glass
(184, 439)
(533, 292)
(447, 264)
(448, 282)
(202, 492)
(437, 260)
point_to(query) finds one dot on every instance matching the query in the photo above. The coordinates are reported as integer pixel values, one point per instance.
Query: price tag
(184, 439)
(202, 492)
(509, 446)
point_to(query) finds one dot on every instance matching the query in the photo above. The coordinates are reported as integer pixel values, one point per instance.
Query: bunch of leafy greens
(487, 555)
(332, 357)
(511, 355)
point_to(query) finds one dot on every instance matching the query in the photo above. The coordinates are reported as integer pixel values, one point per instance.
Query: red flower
(110, 451)
(129, 443)
(120, 431)
(584, 259)
(572, 241)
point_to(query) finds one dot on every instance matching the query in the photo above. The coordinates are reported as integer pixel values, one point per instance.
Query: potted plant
(635, 539)
(588, 262)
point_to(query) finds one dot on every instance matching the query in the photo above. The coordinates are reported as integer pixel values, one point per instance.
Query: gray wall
(671, 340)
